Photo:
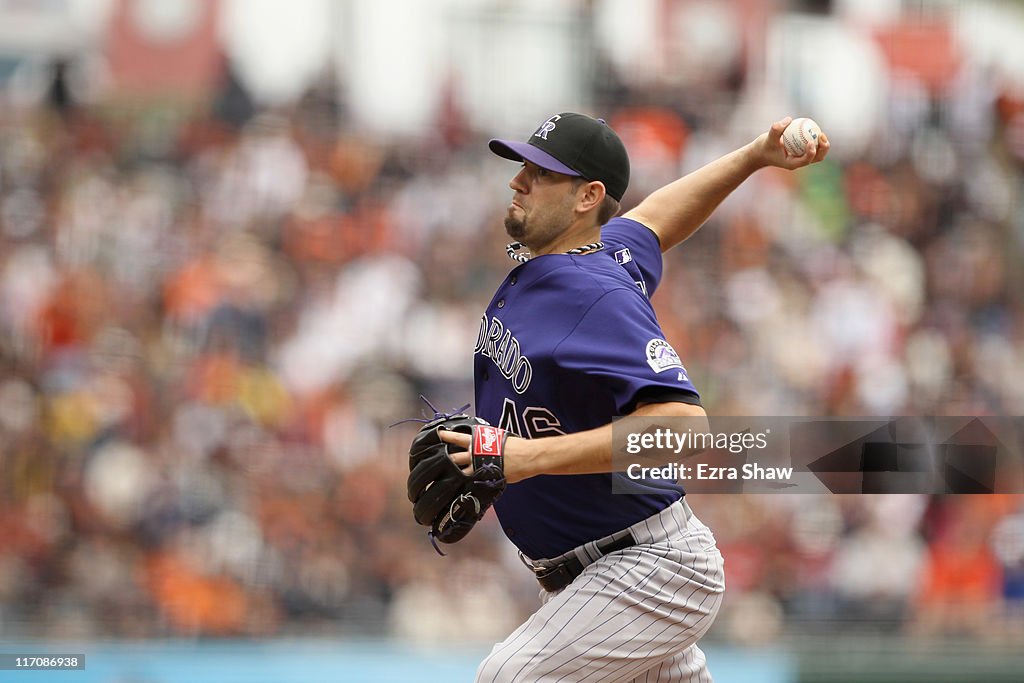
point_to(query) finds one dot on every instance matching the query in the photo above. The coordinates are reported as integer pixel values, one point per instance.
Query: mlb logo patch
(487, 440)
(622, 256)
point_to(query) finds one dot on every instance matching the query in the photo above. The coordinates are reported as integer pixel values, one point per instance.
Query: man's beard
(515, 227)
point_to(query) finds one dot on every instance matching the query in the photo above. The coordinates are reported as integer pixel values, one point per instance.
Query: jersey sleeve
(619, 344)
(643, 250)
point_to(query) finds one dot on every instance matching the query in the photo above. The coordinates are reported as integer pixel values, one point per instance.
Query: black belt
(559, 576)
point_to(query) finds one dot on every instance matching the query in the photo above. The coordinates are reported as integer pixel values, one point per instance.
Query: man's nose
(518, 182)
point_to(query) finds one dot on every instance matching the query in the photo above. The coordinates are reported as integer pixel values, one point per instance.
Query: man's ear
(590, 196)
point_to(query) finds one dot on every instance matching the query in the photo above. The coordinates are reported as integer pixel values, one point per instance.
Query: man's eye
(543, 172)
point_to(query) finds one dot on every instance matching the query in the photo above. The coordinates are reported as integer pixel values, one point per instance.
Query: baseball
(798, 134)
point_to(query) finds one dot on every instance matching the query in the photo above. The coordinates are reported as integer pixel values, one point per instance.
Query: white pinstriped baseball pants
(632, 615)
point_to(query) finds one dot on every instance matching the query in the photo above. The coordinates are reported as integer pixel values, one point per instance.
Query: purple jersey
(568, 343)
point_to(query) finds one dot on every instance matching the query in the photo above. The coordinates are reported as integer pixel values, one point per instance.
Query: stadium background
(239, 238)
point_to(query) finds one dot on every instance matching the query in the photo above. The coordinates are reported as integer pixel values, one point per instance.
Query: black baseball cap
(576, 145)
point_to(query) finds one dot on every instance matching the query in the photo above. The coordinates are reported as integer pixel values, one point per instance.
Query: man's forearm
(588, 452)
(677, 210)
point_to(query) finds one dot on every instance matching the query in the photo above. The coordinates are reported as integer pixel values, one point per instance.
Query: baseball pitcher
(629, 582)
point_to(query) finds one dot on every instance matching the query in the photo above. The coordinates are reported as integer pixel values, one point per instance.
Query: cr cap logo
(661, 356)
(547, 127)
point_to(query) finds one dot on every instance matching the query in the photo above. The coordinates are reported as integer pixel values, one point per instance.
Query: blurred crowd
(210, 316)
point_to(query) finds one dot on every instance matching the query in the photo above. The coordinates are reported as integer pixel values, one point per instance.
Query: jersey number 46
(536, 422)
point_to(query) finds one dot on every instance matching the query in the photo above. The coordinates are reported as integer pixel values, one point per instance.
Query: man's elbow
(697, 417)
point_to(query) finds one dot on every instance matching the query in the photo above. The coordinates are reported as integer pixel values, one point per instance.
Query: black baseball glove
(443, 497)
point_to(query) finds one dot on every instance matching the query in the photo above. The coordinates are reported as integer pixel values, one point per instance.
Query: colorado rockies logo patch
(661, 356)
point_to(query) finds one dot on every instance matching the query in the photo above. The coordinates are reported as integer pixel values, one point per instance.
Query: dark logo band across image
(928, 455)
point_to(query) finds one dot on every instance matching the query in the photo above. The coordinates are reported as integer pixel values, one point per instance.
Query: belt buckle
(531, 565)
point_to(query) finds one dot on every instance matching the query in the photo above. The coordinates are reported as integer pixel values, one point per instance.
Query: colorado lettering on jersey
(498, 344)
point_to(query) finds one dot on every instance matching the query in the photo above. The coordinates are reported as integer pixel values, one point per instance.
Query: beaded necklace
(514, 247)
